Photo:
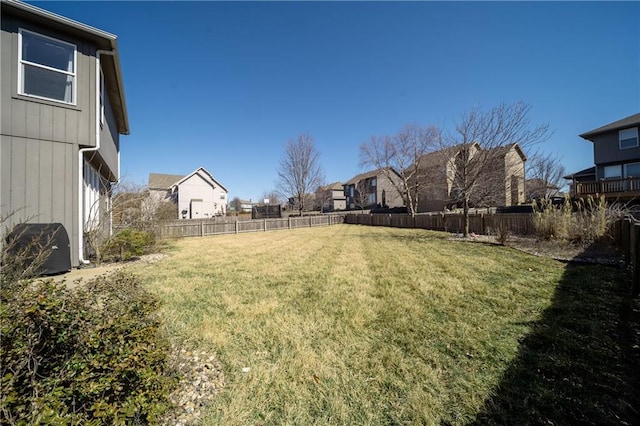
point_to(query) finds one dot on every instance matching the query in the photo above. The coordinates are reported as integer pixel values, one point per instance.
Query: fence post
(626, 240)
(236, 224)
(309, 221)
(202, 229)
(265, 225)
(635, 257)
(289, 219)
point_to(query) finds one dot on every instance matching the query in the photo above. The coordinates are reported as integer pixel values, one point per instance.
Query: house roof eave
(196, 171)
(630, 121)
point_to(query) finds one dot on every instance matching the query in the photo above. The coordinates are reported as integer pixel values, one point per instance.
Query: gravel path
(201, 380)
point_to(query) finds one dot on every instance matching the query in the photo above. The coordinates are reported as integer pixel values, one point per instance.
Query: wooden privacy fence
(483, 223)
(204, 227)
(626, 235)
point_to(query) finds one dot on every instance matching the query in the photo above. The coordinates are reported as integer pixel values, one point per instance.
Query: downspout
(81, 152)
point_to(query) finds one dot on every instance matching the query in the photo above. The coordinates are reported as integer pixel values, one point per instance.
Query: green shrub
(93, 355)
(127, 244)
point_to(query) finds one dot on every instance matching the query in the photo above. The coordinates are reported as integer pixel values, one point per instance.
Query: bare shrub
(583, 221)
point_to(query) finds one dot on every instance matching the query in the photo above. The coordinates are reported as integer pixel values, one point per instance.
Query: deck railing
(608, 186)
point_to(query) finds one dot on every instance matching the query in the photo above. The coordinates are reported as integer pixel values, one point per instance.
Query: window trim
(634, 129)
(23, 62)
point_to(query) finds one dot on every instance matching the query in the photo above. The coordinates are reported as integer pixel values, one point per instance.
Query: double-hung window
(628, 138)
(47, 67)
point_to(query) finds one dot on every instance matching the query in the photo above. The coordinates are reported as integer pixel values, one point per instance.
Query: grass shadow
(581, 362)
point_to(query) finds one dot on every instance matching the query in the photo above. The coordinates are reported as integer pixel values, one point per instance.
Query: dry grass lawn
(365, 325)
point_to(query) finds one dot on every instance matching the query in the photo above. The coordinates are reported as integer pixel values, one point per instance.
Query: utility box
(31, 239)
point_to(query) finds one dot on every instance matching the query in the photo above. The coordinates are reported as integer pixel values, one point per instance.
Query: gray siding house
(63, 110)
(616, 155)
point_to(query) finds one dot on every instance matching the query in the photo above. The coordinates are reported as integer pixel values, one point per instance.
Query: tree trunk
(465, 217)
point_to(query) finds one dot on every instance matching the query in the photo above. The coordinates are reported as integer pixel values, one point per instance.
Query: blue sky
(224, 85)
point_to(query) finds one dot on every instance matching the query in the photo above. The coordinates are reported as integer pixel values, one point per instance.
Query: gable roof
(631, 121)
(354, 180)
(333, 186)
(199, 169)
(503, 150)
(162, 181)
(437, 157)
(103, 40)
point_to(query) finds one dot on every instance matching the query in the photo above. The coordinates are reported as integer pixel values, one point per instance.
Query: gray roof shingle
(162, 181)
(631, 121)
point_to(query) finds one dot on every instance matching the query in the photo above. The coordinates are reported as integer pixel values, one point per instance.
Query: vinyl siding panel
(606, 149)
(59, 124)
(38, 183)
(18, 118)
(109, 139)
(32, 120)
(7, 76)
(46, 124)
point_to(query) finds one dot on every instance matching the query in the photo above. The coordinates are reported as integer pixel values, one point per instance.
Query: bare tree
(545, 175)
(272, 196)
(322, 200)
(300, 170)
(399, 155)
(236, 204)
(477, 153)
(361, 194)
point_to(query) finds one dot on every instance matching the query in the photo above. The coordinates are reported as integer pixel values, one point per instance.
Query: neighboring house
(198, 195)
(501, 182)
(331, 197)
(246, 206)
(63, 110)
(616, 155)
(373, 189)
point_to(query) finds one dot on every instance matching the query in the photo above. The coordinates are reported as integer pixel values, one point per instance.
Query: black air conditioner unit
(28, 240)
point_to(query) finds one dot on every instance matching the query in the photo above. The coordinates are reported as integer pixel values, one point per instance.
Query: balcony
(610, 188)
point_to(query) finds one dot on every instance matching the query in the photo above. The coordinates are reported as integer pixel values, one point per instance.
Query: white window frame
(23, 62)
(629, 134)
(626, 166)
